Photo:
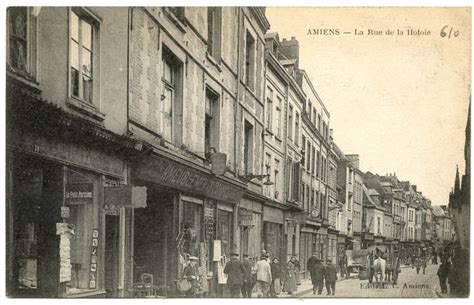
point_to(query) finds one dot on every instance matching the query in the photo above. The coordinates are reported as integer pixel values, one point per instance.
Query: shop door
(111, 254)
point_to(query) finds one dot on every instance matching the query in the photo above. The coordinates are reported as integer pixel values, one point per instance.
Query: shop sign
(218, 163)
(300, 217)
(79, 193)
(176, 175)
(379, 240)
(368, 236)
(94, 255)
(126, 196)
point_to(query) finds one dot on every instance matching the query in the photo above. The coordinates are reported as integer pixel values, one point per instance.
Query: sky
(399, 101)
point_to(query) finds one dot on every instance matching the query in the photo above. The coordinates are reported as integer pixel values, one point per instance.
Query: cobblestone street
(410, 285)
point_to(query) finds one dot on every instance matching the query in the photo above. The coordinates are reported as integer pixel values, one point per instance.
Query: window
(249, 60)
(171, 97)
(82, 54)
(268, 171)
(21, 51)
(269, 109)
(278, 116)
(290, 122)
(318, 165)
(297, 128)
(310, 161)
(276, 177)
(303, 144)
(211, 124)
(319, 122)
(248, 147)
(214, 21)
(314, 116)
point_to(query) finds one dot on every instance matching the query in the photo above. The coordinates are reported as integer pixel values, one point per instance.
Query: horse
(379, 267)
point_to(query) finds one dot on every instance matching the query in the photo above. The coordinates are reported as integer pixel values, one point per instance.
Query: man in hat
(190, 272)
(235, 271)
(317, 277)
(264, 275)
(395, 267)
(248, 283)
(330, 277)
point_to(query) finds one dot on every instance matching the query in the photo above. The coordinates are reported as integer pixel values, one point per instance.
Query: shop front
(189, 212)
(273, 241)
(250, 228)
(332, 246)
(58, 228)
(313, 239)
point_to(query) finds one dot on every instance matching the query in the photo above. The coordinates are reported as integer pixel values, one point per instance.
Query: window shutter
(287, 178)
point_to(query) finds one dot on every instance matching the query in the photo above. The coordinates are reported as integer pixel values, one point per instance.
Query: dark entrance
(111, 254)
(36, 189)
(155, 251)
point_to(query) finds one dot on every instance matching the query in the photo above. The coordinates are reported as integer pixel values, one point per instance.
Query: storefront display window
(224, 231)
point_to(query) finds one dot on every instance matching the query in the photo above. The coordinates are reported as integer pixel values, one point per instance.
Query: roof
(372, 192)
(367, 200)
(438, 211)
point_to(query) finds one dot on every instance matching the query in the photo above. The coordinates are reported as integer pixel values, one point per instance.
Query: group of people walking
(264, 279)
(322, 274)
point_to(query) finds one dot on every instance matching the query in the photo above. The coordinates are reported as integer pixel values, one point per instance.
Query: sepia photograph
(237, 152)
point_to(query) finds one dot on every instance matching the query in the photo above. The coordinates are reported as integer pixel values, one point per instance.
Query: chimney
(290, 48)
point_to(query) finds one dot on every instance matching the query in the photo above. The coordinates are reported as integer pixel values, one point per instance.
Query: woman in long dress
(290, 281)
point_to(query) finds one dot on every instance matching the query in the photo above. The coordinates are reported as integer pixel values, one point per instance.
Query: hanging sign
(93, 267)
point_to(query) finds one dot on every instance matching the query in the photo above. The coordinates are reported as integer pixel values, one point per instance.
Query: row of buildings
(137, 137)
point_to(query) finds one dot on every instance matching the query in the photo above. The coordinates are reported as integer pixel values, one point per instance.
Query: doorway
(112, 233)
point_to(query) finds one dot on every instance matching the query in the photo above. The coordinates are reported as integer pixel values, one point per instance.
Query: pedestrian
(235, 271)
(247, 283)
(190, 273)
(290, 277)
(343, 266)
(312, 261)
(370, 266)
(275, 288)
(330, 277)
(297, 269)
(318, 278)
(413, 258)
(423, 264)
(443, 272)
(264, 277)
(418, 264)
(395, 267)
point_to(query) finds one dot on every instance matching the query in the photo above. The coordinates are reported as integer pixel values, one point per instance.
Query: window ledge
(278, 139)
(23, 78)
(215, 62)
(85, 108)
(269, 132)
